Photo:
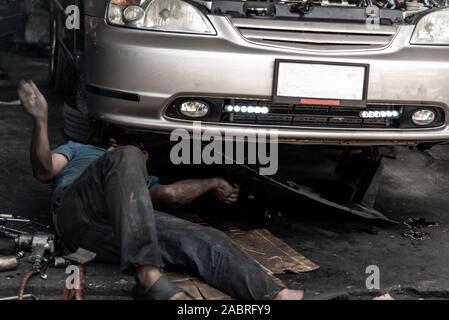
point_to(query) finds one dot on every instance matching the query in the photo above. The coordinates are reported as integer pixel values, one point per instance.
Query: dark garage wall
(32, 26)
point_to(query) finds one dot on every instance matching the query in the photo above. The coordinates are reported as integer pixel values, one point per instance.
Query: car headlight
(160, 15)
(433, 29)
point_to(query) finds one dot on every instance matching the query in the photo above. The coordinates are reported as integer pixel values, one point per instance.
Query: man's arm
(45, 165)
(184, 192)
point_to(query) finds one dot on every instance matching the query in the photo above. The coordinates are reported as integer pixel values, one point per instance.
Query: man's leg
(112, 191)
(106, 211)
(214, 257)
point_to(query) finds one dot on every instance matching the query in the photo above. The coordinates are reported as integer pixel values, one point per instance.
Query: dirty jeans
(108, 210)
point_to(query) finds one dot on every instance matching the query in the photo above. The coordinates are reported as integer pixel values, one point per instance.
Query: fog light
(423, 117)
(133, 13)
(194, 109)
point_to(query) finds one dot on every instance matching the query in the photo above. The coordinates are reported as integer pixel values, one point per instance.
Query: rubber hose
(24, 283)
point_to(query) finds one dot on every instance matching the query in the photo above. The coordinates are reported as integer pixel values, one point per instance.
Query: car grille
(231, 111)
(314, 35)
(314, 116)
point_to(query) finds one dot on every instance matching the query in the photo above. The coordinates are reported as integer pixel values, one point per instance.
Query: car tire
(77, 126)
(62, 74)
(80, 85)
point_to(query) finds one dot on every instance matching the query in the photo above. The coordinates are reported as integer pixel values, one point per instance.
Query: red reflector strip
(319, 102)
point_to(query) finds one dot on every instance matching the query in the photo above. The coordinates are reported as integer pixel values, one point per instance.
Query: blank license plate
(321, 81)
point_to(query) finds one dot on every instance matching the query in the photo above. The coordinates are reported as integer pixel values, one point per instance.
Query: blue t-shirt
(80, 157)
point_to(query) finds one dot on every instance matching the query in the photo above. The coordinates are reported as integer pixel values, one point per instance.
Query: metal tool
(8, 263)
(60, 262)
(12, 218)
(41, 245)
(25, 297)
(6, 233)
(7, 218)
(81, 256)
(42, 249)
(12, 231)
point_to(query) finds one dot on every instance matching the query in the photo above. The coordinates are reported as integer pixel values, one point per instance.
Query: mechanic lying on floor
(101, 203)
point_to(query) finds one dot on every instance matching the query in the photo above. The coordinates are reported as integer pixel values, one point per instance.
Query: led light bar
(247, 109)
(379, 114)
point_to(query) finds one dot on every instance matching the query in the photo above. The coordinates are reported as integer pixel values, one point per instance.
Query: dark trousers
(108, 210)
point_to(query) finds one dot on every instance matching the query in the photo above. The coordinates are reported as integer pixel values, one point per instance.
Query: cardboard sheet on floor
(270, 252)
(274, 255)
(195, 287)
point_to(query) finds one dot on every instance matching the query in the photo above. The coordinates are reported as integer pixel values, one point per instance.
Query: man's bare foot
(288, 294)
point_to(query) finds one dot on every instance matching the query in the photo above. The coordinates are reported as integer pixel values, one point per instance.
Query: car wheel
(77, 125)
(61, 70)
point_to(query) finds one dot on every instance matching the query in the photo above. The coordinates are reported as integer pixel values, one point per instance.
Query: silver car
(354, 72)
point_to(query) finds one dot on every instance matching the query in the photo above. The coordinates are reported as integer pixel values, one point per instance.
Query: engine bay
(386, 12)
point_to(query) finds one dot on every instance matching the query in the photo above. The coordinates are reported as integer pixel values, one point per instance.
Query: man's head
(81, 128)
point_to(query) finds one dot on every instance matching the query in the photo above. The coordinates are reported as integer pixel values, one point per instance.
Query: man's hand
(225, 192)
(33, 101)
(181, 193)
(46, 166)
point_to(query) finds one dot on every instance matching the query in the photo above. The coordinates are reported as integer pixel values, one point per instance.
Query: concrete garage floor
(416, 184)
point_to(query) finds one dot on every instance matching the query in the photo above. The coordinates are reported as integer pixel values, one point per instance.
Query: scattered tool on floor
(24, 222)
(415, 225)
(25, 297)
(39, 244)
(419, 223)
(8, 263)
(41, 254)
(42, 249)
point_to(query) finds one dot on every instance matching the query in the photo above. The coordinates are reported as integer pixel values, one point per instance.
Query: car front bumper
(159, 67)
